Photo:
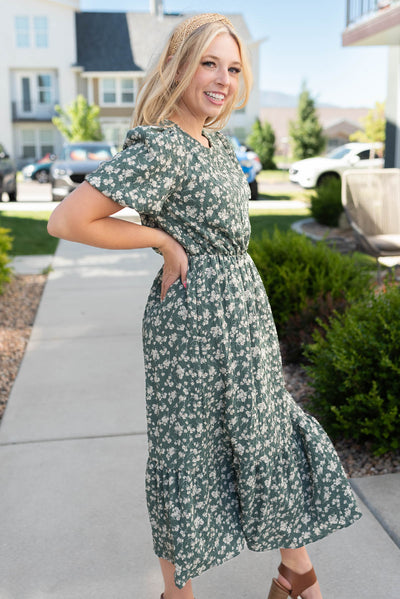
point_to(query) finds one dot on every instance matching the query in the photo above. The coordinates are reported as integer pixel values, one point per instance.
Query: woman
(232, 459)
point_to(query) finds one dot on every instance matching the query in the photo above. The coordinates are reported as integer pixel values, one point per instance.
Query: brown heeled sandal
(298, 583)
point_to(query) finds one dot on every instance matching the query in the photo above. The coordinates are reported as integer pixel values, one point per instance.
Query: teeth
(214, 95)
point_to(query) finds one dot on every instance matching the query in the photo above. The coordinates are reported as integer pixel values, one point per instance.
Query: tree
(374, 125)
(79, 121)
(262, 141)
(306, 135)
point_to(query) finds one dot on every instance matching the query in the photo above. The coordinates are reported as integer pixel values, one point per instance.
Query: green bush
(304, 281)
(355, 371)
(5, 247)
(326, 202)
(262, 141)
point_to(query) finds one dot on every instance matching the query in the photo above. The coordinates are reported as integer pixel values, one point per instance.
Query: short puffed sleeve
(144, 173)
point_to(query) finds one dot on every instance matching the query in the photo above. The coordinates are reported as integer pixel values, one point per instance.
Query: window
(23, 26)
(28, 143)
(109, 94)
(364, 155)
(46, 142)
(40, 28)
(117, 91)
(35, 94)
(22, 32)
(338, 153)
(115, 132)
(36, 143)
(44, 89)
(127, 95)
(26, 94)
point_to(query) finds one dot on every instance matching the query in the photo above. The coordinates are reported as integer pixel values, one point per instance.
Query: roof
(103, 42)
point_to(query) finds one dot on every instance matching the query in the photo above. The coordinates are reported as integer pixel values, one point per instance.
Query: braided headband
(186, 28)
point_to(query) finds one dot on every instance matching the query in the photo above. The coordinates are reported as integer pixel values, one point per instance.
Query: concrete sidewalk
(73, 453)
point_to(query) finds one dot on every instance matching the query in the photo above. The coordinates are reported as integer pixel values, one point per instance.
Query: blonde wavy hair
(159, 94)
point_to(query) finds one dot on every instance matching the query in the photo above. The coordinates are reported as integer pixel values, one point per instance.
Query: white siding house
(35, 73)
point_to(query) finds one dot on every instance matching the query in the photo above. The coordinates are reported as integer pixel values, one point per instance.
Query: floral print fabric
(233, 460)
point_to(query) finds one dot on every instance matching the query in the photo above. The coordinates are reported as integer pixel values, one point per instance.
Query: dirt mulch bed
(18, 306)
(357, 459)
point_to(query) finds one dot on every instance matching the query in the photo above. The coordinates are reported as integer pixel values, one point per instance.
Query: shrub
(355, 371)
(304, 281)
(5, 246)
(326, 202)
(299, 328)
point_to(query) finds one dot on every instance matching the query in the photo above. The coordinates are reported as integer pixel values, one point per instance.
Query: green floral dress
(233, 460)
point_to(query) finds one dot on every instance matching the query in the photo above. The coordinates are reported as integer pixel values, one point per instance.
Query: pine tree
(79, 121)
(306, 135)
(262, 141)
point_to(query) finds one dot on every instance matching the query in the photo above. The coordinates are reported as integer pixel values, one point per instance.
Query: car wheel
(254, 190)
(42, 176)
(326, 177)
(12, 196)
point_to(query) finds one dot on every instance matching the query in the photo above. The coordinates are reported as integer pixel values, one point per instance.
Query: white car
(312, 172)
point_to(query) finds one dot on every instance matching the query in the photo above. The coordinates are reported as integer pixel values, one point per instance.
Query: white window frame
(104, 91)
(118, 90)
(35, 89)
(32, 143)
(24, 31)
(114, 130)
(46, 89)
(35, 31)
(41, 31)
(38, 141)
(131, 90)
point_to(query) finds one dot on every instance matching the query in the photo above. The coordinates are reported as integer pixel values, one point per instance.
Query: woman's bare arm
(85, 217)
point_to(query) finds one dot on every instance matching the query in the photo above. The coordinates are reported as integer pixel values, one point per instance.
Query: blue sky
(304, 42)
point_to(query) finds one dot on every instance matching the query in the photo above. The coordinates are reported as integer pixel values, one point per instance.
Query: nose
(223, 76)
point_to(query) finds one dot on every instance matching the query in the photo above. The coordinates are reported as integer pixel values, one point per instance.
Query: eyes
(213, 65)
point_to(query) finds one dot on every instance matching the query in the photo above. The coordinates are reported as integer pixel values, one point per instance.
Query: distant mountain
(269, 99)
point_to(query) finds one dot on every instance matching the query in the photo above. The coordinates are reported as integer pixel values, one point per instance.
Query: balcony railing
(32, 111)
(358, 10)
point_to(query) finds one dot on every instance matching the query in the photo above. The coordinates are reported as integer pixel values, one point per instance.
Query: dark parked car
(39, 170)
(77, 160)
(8, 176)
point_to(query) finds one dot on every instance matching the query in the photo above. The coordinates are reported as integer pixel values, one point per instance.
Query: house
(338, 124)
(378, 24)
(44, 68)
(35, 73)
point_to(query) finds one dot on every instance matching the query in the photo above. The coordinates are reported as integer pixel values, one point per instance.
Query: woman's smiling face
(215, 81)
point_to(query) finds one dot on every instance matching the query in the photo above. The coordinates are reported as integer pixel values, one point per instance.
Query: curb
(298, 228)
(31, 265)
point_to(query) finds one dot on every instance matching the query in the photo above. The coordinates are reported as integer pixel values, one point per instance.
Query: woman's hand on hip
(175, 263)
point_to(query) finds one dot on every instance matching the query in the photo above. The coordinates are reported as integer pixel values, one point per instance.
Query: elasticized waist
(207, 255)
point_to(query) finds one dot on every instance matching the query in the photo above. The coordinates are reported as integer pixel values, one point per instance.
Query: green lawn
(30, 233)
(31, 237)
(267, 220)
(301, 195)
(29, 230)
(276, 176)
